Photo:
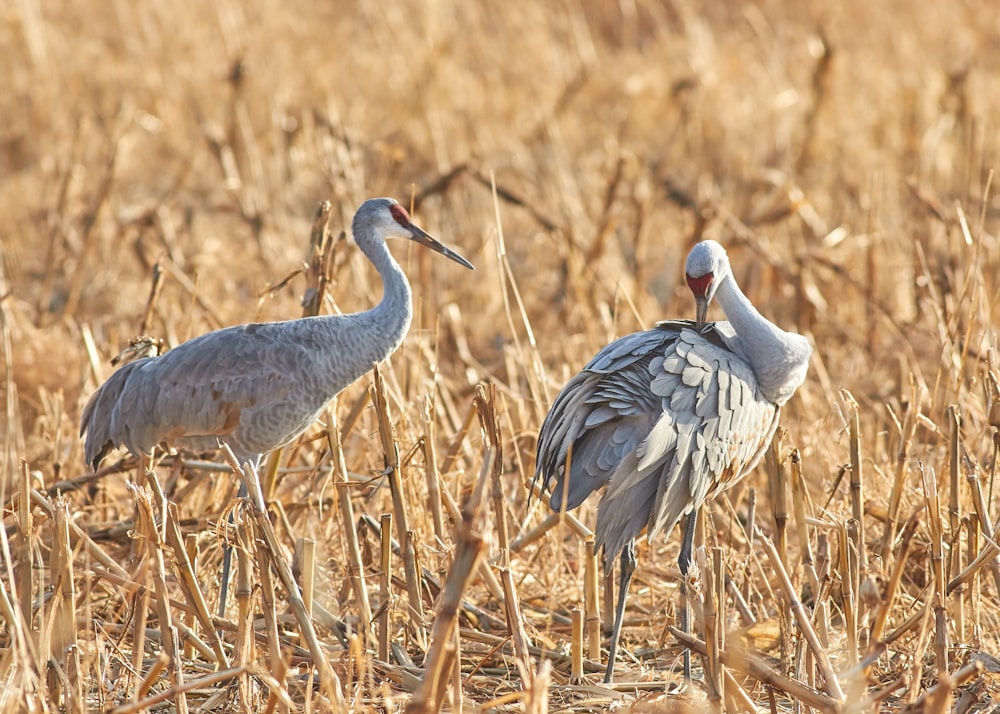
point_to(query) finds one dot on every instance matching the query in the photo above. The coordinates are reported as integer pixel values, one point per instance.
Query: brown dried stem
(356, 566)
(243, 650)
(955, 517)
(711, 618)
(755, 667)
(268, 603)
(485, 571)
(154, 552)
(907, 431)
(329, 681)
(468, 551)
(431, 472)
(938, 697)
(592, 599)
(209, 680)
(63, 645)
(779, 493)
(979, 503)
(318, 260)
(847, 564)
(802, 618)
(576, 645)
(936, 528)
(987, 557)
(805, 546)
(156, 285)
(899, 563)
(857, 487)
(385, 576)
(26, 557)
(490, 424)
(390, 450)
(188, 580)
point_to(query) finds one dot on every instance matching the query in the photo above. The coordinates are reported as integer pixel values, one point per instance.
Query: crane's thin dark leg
(227, 560)
(627, 568)
(684, 563)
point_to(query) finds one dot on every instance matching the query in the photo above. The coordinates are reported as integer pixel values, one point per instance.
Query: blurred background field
(573, 151)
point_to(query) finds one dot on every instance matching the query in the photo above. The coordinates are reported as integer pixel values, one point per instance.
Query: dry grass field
(574, 151)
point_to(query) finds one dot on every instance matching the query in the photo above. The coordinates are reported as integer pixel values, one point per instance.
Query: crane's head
(384, 218)
(707, 266)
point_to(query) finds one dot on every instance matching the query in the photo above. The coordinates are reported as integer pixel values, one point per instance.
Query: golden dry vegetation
(573, 151)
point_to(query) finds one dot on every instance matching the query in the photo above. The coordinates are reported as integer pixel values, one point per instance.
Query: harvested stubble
(573, 151)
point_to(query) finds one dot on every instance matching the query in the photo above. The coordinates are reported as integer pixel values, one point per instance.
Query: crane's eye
(400, 214)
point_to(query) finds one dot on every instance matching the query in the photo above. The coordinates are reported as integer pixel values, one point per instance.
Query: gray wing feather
(705, 425)
(212, 387)
(603, 413)
(97, 418)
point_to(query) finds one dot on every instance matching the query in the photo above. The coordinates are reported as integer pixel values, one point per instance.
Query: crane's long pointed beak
(420, 236)
(701, 308)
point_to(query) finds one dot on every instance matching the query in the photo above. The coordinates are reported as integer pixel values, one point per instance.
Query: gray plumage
(258, 386)
(671, 416)
(665, 418)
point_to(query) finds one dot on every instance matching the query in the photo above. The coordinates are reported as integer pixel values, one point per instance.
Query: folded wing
(665, 418)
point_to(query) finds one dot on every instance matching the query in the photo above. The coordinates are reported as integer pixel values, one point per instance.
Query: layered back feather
(665, 418)
(255, 386)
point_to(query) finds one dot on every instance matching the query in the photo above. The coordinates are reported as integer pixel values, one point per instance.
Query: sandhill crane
(669, 417)
(258, 386)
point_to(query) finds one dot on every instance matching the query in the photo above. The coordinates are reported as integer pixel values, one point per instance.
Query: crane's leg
(227, 560)
(627, 568)
(684, 563)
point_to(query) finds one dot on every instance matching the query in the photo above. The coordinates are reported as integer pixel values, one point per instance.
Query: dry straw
(391, 558)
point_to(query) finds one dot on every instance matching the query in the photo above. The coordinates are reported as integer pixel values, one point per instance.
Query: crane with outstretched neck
(258, 386)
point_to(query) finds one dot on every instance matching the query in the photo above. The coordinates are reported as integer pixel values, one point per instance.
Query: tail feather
(98, 421)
